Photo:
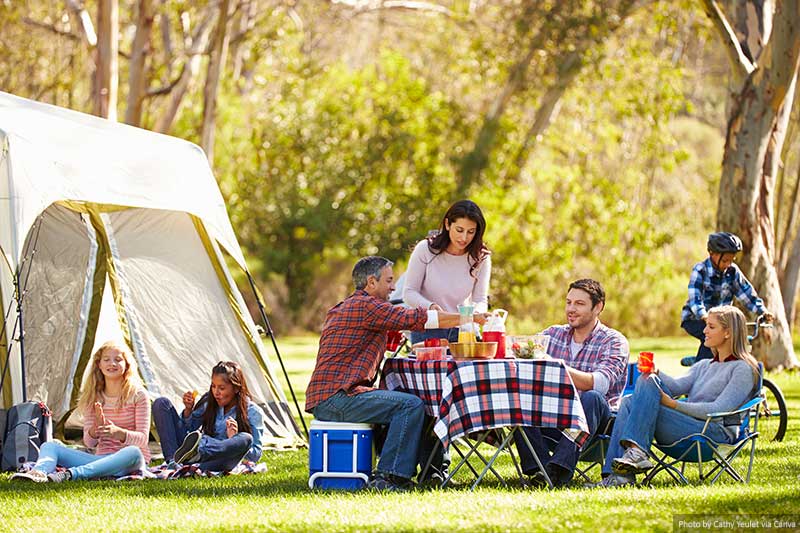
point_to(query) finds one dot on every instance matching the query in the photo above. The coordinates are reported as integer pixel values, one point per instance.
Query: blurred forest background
(591, 133)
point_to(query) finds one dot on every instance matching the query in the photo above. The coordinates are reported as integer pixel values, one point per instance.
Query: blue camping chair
(700, 448)
(594, 452)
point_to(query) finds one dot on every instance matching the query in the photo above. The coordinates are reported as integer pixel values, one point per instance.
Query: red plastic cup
(393, 339)
(646, 362)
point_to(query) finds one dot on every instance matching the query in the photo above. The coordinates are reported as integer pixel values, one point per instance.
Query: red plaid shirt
(352, 344)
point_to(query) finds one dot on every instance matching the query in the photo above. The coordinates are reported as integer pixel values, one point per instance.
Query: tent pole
(269, 331)
(21, 338)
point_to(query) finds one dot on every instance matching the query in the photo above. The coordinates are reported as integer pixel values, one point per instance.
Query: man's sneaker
(388, 483)
(433, 478)
(187, 452)
(634, 461)
(559, 476)
(58, 477)
(613, 480)
(37, 476)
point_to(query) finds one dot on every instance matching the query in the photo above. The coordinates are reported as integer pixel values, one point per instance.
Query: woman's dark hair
(476, 250)
(233, 375)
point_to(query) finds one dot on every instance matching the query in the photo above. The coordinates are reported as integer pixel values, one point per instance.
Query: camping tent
(100, 220)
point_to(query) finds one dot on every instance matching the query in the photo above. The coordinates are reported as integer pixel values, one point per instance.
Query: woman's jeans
(223, 455)
(641, 418)
(451, 334)
(84, 465)
(401, 411)
(170, 427)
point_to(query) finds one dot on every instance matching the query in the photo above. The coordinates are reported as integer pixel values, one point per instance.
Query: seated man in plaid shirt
(350, 350)
(717, 281)
(596, 358)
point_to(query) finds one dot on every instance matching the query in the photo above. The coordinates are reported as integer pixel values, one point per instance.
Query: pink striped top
(134, 417)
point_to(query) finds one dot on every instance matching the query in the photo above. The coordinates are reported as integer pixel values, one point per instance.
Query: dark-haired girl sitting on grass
(224, 427)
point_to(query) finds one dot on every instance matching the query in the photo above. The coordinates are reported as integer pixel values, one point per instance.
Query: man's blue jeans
(170, 427)
(641, 418)
(695, 328)
(402, 412)
(84, 465)
(565, 452)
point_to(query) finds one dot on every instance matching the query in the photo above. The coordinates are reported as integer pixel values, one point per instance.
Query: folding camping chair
(700, 448)
(594, 452)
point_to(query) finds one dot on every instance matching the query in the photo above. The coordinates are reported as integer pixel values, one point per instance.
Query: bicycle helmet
(723, 242)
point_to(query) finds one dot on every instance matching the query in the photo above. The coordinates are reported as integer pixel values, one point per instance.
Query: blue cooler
(339, 455)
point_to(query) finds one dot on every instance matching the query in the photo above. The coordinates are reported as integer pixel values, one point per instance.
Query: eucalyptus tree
(764, 76)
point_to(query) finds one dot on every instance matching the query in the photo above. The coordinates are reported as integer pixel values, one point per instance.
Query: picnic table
(472, 396)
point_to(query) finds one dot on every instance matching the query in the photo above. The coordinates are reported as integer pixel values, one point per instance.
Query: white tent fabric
(61, 154)
(118, 231)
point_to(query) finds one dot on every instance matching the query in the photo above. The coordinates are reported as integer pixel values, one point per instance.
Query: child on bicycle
(714, 282)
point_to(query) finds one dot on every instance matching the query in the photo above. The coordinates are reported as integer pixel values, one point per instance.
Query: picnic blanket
(175, 471)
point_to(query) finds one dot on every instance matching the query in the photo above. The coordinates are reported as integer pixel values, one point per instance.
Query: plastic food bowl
(473, 350)
(529, 346)
(430, 353)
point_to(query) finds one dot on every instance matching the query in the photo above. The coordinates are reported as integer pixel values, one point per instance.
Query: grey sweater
(712, 387)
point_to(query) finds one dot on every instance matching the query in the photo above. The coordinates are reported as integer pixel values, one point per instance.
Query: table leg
(464, 458)
(487, 463)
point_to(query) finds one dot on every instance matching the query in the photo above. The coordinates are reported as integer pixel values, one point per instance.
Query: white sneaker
(37, 476)
(634, 461)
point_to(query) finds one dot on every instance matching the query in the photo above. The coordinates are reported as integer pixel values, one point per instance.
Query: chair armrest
(749, 405)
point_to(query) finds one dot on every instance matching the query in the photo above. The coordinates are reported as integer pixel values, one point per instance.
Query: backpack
(28, 425)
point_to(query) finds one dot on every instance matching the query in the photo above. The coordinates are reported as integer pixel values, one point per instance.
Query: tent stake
(268, 328)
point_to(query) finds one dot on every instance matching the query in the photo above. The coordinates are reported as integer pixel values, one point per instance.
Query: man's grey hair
(369, 266)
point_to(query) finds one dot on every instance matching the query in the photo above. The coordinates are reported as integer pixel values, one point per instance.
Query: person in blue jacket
(220, 430)
(714, 282)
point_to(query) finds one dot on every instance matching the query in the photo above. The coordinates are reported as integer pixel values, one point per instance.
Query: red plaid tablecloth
(469, 396)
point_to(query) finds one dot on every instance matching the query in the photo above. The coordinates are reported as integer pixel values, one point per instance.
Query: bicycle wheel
(773, 417)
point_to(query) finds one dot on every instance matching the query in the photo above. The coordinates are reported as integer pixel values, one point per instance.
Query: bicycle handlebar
(761, 322)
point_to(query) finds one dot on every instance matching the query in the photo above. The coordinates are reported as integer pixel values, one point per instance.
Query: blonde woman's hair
(95, 382)
(733, 320)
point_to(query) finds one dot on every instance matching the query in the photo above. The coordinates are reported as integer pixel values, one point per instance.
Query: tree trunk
(568, 66)
(753, 144)
(791, 274)
(191, 65)
(240, 52)
(216, 65)
(476, 160)
(107, 71)
(137, 79)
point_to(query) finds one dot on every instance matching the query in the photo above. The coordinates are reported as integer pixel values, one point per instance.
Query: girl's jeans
(84, 465)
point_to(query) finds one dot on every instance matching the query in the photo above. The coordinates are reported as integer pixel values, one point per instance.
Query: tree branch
(86, 21)
(51, 28)
(742, 66)
(362, 6)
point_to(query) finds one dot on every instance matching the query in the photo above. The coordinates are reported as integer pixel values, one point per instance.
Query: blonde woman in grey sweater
(712, 385)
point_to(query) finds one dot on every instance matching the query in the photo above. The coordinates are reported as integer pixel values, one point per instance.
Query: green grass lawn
(280, 500)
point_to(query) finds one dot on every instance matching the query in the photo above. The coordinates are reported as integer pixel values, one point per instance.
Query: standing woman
(712, 385)
(450, 268)
(116, 424)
